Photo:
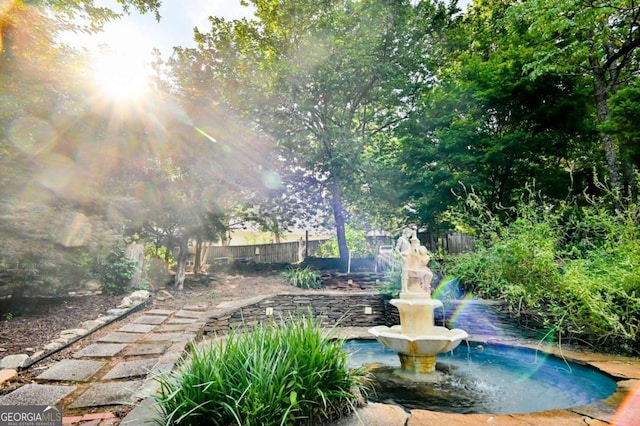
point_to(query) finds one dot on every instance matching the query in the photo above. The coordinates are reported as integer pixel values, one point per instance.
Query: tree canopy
(370, 114)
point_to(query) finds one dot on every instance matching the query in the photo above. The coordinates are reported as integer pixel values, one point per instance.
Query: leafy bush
(356, 241)
(575, 269)
(273, 375)
(392, 282)
(303, 278)
(115, 271)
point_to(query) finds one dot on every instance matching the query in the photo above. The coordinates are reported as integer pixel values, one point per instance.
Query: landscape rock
(73, 332)
(7, 375)
(14, 361)
(134, 298)
(126, 303)
(140, 296)
(106, 318)
(37, 355)
(52, 346)
(163, 295)
(375, 415)
(90, 325)
(116, 312)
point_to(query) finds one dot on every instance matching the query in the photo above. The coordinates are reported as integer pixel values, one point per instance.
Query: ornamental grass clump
(303, 278)
(286, 374)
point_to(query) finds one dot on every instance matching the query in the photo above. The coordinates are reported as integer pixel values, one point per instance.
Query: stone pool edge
(625, 370)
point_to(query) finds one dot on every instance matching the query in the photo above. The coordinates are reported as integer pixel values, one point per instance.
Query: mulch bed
(29, 325)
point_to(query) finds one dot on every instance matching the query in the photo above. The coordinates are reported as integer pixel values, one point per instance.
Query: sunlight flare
(121, 76)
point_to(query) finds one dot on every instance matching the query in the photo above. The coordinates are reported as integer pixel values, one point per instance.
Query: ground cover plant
(286, 374)
(303, 278)
(573, 269)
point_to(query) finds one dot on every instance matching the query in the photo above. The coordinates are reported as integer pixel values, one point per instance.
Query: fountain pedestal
(417, 339)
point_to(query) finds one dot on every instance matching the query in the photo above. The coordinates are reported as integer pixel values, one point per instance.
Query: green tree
(595, 39)
(54, 210)
(624, 124)
(487, 125)
(321, 78)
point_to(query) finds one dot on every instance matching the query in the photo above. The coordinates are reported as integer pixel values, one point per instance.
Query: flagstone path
(117, 369)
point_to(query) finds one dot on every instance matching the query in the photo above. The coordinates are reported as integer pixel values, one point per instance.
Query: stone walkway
(117, 369)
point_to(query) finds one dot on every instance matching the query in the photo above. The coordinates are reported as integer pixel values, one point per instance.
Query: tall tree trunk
(183, 253)
(602, 109)
(630, 180)
(338, 216)
(197, 262)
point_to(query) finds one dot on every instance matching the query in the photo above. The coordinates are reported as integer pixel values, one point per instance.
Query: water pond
(476, 378)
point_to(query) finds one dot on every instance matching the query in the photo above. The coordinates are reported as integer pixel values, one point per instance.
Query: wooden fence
(296, 251)
(264, 253)
(454, 243)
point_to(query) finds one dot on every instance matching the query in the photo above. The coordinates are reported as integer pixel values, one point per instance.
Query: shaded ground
(27, 329)
(24, 329)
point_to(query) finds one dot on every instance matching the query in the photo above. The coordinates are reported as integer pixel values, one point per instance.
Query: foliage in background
(356, 241)
(392, 281)
(115, 270)
(573, 268)
(303, 277)
(290, 373)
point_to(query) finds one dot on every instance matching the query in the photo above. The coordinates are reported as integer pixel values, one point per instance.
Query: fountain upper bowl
(438, 340)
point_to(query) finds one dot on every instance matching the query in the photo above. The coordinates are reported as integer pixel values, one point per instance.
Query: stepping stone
(165, 312)
(150, 319)
(118, 337)
(115, 393)
(131, 369)
(35, 394)
(167, 362)
(188, 314)
(198, 308)
(169, 328)
(143, 414)
(169, 337)
(100, 350)
(137, 328)
(72, 370)
(181, 321)
(147, 348)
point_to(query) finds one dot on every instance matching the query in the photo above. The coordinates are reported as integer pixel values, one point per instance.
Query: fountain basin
(439, 339)
(482, 378)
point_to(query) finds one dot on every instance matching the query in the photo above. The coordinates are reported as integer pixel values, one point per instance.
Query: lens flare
(629, 411)
(32, 135)
(57, 173)
(271, 180)
(75, 231)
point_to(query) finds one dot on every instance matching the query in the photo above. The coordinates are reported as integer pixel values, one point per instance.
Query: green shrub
(574, 269)
(392, 282)
(115, 271)
(356, 241)
(303, 278)
(287, 374)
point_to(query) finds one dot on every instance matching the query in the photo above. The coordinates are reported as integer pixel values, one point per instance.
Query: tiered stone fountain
(417, 339)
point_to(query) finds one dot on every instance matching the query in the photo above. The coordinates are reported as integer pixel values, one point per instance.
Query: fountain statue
(417, 339)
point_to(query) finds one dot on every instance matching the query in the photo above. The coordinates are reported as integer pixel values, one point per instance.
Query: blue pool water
(482, 379)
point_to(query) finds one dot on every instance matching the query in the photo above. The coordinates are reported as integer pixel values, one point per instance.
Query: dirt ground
(27, 331)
